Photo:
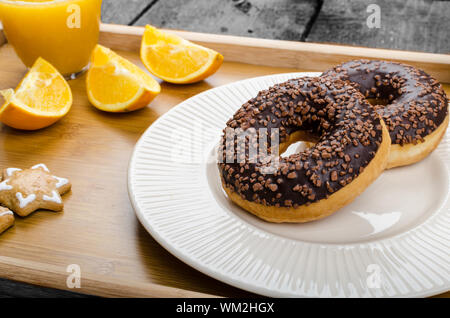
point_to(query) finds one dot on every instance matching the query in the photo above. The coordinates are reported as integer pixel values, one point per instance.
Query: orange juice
(63, 32)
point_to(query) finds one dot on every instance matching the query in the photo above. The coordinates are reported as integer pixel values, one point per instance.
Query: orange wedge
(41, 99)
(114, 84)
(176, 60)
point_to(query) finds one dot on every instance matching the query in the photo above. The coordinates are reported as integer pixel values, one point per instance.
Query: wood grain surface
(417, 25)
(124, 11)
(282, 19)
(98, 229)
(304, 56)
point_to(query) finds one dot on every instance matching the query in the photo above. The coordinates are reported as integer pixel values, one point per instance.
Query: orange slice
(42, 98)
(176, 60)
(114, 84)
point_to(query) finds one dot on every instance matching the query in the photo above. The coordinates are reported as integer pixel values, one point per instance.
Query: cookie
(25, 191)
(6, 219)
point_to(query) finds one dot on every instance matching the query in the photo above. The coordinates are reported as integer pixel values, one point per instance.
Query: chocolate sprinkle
(417, 104)
(347, 127)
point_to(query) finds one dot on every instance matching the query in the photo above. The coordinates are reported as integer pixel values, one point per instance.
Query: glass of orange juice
(63, 32)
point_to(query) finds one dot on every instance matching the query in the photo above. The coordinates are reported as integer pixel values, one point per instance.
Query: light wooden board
(98, 229)
(415, 25)
(282, 19)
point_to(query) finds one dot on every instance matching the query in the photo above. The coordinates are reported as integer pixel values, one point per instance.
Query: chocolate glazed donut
(351, 150)
(415, 110)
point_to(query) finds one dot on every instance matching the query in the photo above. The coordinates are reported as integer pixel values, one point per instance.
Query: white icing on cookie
(10, 171)
(54, 198)
(6, 213)
(61, 182)
(41, 165)
(23, 202)
(4, 186)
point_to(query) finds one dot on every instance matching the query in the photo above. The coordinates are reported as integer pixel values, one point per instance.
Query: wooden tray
(98, 229)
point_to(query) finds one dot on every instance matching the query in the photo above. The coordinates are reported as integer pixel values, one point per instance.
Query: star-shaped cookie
(25, 191)
(6, 219)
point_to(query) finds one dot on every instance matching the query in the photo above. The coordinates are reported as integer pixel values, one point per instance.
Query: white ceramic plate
(393, 240)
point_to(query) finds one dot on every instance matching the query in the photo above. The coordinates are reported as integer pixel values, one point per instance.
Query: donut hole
(297, 147)
(298, 142)
(379, 101)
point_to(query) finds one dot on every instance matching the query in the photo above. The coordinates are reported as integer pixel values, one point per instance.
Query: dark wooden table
(405, 25)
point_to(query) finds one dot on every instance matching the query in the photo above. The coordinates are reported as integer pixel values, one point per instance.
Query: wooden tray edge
(235, 49)
(278, 53)
(51, 276)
